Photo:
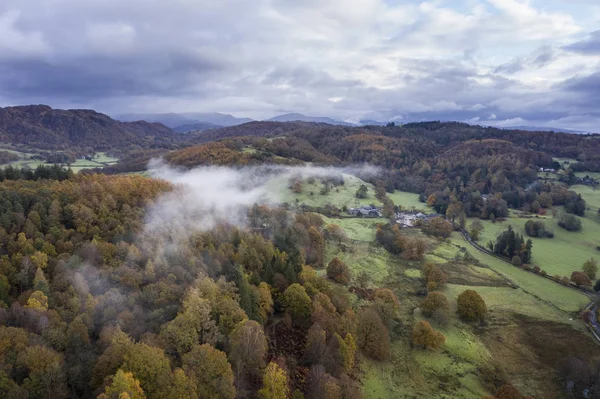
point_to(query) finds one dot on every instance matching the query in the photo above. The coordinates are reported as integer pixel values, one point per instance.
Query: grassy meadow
(561, 255)
(511, 294)
(28, 160)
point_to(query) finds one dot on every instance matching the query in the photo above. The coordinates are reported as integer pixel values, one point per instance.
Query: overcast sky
(506, 62)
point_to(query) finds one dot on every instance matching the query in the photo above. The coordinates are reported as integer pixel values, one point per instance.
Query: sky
(498, 62)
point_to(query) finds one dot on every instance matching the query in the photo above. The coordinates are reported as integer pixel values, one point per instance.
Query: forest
(93, 303)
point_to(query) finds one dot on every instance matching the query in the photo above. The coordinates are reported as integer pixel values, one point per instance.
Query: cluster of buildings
(409, 219)
(365, 211)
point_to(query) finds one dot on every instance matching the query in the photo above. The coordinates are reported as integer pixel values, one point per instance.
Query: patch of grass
(507, 299)
(591, 197)
(362, 229)
(407, 200)
(364, 258)
(548, 291)
(593, 175)
(458, 360)
(412, 273)
(99, 160)
(561, 255)
(339, 196)
(104, 158)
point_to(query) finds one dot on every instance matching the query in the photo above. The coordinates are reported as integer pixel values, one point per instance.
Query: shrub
(433, 302)
(581, 279)
(570, 222)
(424, 334)
(438, 227)
(536, 228)
(516, 260)
(590, 268)
(435, 277)
(338, 271)
(536, 269)
(471, 306)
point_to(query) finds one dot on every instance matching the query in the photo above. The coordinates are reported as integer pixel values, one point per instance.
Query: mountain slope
(174, 120)
(40, 126)
(195, 127)
(294, 117)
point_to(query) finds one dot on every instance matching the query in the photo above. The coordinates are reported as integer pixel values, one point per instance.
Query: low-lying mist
(207, 196)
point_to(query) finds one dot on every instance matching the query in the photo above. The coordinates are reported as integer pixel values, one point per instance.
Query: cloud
(376, 58)
(205, 197)
(588, 46)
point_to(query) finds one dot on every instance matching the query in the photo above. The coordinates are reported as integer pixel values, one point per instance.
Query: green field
(361, 229)
(339, 196)
(593, 175)
(99, 160)
(544, 289)
(590, 195)
(407, 200)
(561, 255)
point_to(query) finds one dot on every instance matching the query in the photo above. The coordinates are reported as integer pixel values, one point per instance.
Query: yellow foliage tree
(275, 383)
(37, 300)
(123, 386)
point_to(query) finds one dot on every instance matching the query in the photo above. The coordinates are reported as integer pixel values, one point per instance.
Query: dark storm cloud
(88, 78)
(588, 46)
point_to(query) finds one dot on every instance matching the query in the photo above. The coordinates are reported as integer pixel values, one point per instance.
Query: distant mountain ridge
(43, 127)
(544, 129)
(295, 117)
(176, 120)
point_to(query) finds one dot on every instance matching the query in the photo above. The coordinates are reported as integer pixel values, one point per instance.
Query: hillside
(39, 126)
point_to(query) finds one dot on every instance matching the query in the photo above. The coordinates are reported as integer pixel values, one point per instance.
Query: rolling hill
(42, 127)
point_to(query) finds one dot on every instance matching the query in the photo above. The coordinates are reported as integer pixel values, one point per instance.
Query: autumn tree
(123, 386)
(372, 335)
(316, 344)
(471, 306)
(434, 301)
(333, 232)
(275, 383)
(580, 279)
(475, 229)
(248, 349)
(435, 278)
(362, 192)
(347, 350)
(297, 302)
(184, 387)
(338, 271)
(425, 335)
(387, 305)
(265, 301)
(438, 227)
(151, 367)
(590, 268)
(208, 368)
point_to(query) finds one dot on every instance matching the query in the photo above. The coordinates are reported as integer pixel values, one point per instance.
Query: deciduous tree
(208, 368)
(425, 335)
(590, 268)
(338, 271)
(580, 279)
(123, 386)
(275, 383)
(471, 306)
(434, 301)
(373, 336)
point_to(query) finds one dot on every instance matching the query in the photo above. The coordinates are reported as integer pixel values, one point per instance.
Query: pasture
(561, 255)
